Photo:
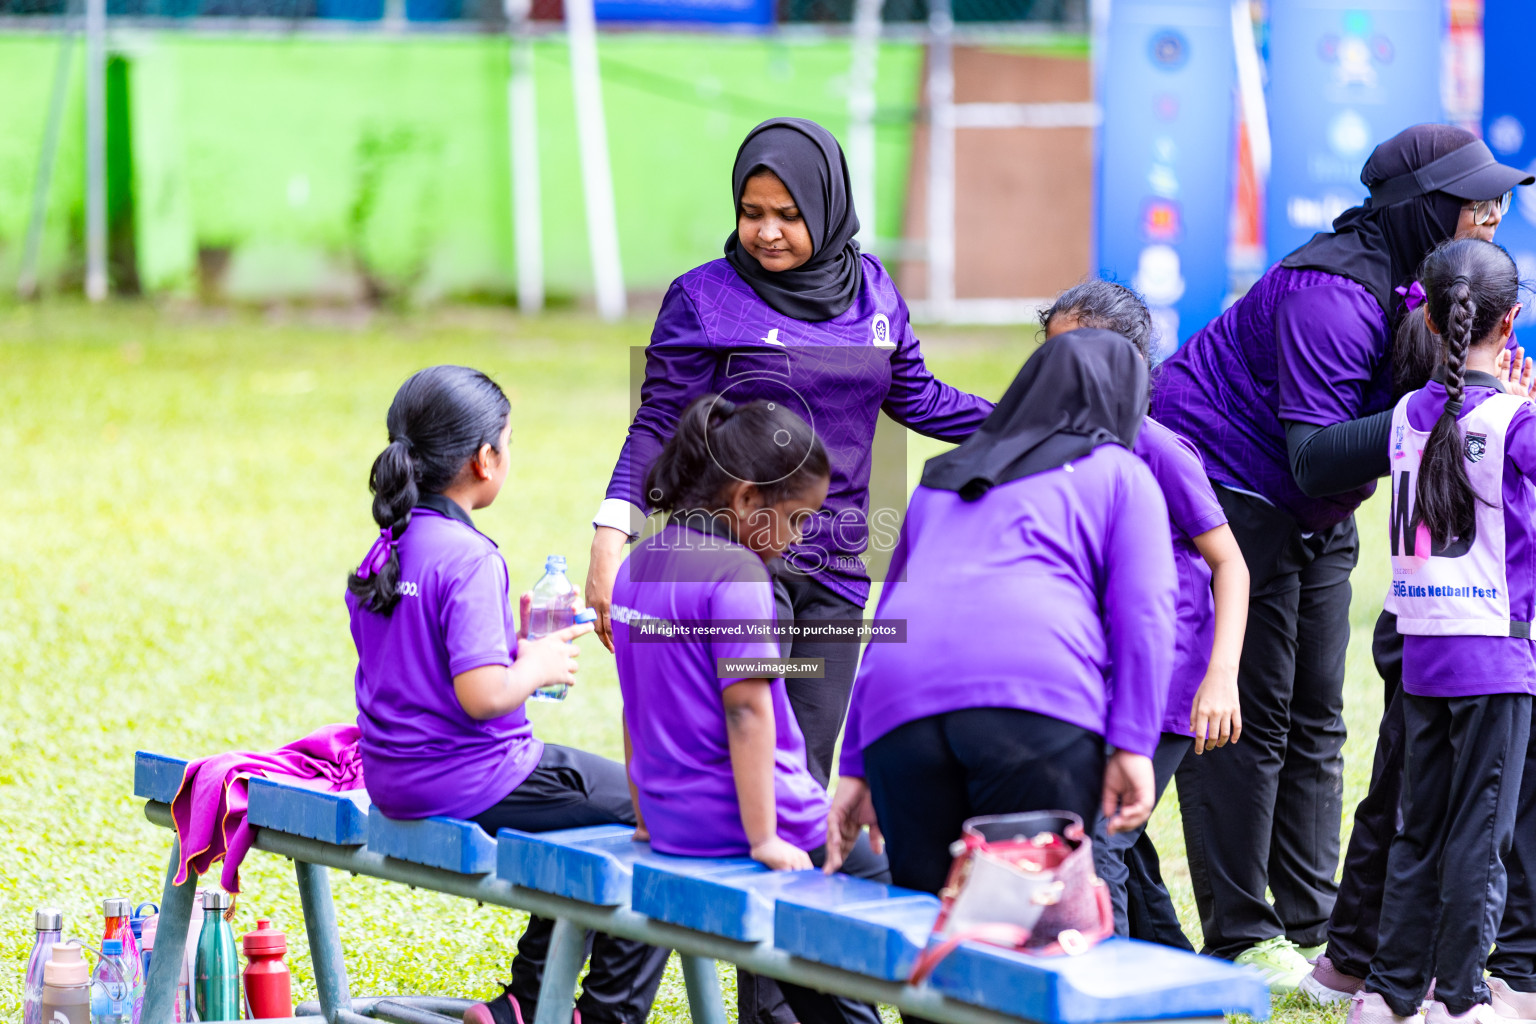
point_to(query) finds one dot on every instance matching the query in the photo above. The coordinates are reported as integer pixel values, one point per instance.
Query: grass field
(182, 494)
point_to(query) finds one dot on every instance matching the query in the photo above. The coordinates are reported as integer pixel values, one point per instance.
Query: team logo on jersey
(880, 327)
(772, 337)
(1477, 447)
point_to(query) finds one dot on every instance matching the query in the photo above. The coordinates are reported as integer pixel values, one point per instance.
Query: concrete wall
(329, 167)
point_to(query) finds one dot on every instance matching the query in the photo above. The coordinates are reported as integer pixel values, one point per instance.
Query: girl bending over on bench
(717, 762)
(443, 673)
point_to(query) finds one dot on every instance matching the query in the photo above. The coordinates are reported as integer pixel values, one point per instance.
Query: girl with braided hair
(443, 673)
(1463, 547)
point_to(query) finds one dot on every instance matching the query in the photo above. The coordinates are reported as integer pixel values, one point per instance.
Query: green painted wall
(312, 164)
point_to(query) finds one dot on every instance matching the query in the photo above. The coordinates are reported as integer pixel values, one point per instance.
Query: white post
(862, 73)
(941, 161)
(96, 149)
(1250, 88)
(596, 176)
(523, 134)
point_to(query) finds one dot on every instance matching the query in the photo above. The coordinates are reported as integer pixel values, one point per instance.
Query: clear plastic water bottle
(554, 608)
(50, 929)
(111, 986)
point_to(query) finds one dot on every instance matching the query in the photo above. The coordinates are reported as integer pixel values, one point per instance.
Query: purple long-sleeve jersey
(714, 334)
(1025, 598)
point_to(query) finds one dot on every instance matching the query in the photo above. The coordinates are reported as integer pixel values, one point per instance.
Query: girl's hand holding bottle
(491, 691)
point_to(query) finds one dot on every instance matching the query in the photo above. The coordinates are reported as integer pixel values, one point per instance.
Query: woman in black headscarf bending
(1288, 396)
(793, 313)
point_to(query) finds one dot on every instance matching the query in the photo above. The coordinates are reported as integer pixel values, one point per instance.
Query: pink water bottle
(268, 989)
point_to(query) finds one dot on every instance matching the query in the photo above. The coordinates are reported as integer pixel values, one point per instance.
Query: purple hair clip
(378, 555)
(1413, 295)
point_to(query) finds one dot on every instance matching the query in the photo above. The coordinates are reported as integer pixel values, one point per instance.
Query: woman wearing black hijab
(1288, 396)
(1001, 703)
(793, 313)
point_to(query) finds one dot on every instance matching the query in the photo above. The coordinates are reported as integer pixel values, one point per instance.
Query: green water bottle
(216, 988)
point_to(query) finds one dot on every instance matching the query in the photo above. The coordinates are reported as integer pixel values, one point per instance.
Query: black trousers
(926, 777)
(1354, 928)
(819, 706)
(1463, 758)
(1129, 865)
(572, 789)
(1264, 813)
(1356, 920)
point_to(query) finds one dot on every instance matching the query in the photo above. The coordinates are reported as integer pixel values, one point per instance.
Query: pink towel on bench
(209, 808)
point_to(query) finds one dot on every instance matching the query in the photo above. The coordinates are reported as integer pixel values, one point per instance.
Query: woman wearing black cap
(1288, 396)
(793, 313)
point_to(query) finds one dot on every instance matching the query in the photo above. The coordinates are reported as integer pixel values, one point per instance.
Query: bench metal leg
(703, 985)
(170, 943)
(562, 966)
(324, 939)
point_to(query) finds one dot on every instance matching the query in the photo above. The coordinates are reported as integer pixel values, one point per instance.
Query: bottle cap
(111, 947)
(49, 919)
(65, 967)
(117, 906)
(586, 615)
(265, 940)
(213, 899)
(554, 563)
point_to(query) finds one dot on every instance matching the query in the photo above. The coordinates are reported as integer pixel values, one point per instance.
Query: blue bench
(835, 934)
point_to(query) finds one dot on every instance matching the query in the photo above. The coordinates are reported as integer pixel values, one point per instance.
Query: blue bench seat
(732, 897)
(157, 777)
(855, 924)
(1119, 979)
(451, 844)
(339, 818)
(592, 865)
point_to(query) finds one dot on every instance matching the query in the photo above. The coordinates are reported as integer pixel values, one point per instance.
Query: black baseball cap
(1467, 172)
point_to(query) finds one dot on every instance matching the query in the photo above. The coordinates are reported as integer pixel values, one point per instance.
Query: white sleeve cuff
(619, 514)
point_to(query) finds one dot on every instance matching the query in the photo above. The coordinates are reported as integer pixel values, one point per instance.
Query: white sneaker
(1327, 984)
(1436, 1013)
(1370, 1008)
(1511, 1004)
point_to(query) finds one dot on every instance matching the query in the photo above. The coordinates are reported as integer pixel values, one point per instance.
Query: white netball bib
(1460, 589)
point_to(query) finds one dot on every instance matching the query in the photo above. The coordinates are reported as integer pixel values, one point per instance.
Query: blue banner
(756, 13)
(1344, 76)
(1166, 154)
(1509, 125)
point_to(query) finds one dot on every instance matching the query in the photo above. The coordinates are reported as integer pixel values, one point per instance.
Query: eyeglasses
(1483, 210)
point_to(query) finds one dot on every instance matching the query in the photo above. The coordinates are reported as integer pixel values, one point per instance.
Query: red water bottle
(268, 988)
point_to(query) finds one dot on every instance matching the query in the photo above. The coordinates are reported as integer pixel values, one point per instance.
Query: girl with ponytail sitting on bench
(443, 673)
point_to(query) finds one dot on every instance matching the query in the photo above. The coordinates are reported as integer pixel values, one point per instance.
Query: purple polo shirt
(422, 752)
(1023, 599)
(714, 334)
(680, 758)
(1467, 666)
(1192, 510)
(1301, 345)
